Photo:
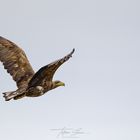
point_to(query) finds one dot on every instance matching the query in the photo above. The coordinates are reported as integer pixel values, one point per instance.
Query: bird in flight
(29, 83)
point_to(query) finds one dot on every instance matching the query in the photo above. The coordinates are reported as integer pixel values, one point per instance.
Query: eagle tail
(10, 95)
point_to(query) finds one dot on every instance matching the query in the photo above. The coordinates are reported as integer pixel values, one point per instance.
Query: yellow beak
(61, 84)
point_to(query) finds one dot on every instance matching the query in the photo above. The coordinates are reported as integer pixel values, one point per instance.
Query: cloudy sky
(102, 92)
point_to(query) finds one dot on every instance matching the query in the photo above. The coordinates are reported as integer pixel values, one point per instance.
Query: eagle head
(58, 83)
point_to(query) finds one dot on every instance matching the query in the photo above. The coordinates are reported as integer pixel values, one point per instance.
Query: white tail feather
(10, 95)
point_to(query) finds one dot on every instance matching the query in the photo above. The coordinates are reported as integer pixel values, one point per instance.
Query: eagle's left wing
(15, 61)
(47, 72)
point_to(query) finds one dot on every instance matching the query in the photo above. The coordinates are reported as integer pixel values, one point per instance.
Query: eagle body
(29, 83)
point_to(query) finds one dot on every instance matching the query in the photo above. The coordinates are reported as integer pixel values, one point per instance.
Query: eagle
(29, 83)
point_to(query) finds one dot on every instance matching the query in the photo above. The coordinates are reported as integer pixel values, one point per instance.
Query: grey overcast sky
(102, 92)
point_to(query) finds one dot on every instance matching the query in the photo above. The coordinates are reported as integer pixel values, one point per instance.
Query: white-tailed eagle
(29, 83)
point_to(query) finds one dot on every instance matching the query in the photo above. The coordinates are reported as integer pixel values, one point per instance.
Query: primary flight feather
(29, 83)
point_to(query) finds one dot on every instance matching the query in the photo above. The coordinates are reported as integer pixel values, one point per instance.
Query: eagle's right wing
(15, 61)
(47, 72)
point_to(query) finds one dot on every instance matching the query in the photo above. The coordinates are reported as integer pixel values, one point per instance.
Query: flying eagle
(29, 83)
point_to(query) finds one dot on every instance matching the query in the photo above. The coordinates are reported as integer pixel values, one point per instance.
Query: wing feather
(15, 61)
(46, 73)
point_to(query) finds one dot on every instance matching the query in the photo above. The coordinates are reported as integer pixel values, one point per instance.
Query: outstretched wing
(15, 61)
(46, 73)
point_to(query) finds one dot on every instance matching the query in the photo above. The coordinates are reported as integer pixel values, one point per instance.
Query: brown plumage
(29, 83)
